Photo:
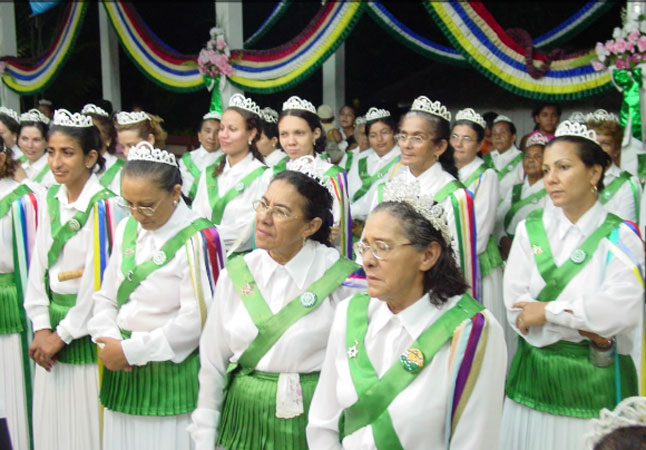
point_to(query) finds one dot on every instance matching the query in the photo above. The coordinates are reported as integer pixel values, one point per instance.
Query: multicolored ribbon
(630, 82)
(269, 22)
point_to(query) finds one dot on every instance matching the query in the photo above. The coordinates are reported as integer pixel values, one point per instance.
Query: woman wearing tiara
(135, 127)
(300, 133)
(265, 336)
(622, 193)
(363, 144)
(505, 158)
(32, 140)
(111, 176)
(228, 188)
(268, 145)
(75, 227)
(149, 313)
(415, 362)
(573, 290)
(9, 126)
(427, 159)
(370, 168)
(18, 214)
(482, 180)
(193, 163)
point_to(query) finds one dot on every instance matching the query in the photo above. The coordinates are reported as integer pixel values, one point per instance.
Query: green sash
(195, 172)
(376, 394)
(22, 158)
(448, 189)
(641, 167)
(40, 175)
(475, 174)
(368, 180)
(502, 173)
(281, 166)
(272, 326)
(614, 186)
(490, 258)
(107, 177)
(517, 204)
(349, 157)
(7, 200)
(218, 204)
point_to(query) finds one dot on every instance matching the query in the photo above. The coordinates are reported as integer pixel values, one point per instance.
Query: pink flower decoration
(610, 46)
(621, 46)
(220, 43)
(641, 44)
(621, 64)
(596, 65)
(633, 36)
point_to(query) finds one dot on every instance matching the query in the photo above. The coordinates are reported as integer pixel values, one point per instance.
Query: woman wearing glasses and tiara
(149, 313)
(415, 362)
(264, 340)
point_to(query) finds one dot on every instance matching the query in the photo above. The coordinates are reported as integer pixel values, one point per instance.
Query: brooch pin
(129, 251)
(354, 350)
(578, 256)
(537, 249)
(308, 299)
(74, 224)
(239, 187)
(247, 289)
(159, 258)
(412, 360)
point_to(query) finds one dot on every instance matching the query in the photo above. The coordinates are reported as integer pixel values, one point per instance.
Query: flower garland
(22, 77)
(626, 50)
(213, 64)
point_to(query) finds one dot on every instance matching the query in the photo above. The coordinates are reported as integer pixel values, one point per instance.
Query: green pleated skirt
(11, 319)
(79, 351)
(248, 420)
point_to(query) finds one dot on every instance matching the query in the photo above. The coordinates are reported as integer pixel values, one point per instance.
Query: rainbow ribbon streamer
(269, 22)
(27, 79)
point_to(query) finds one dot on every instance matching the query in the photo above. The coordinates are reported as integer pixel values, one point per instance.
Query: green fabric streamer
(630, 81)
(216, 95)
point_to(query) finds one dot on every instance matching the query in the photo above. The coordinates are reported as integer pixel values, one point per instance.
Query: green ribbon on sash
(630, 81)
(281, 166)
(448, 189)
(614, 186)
(376, 394)
(475, 174)
(106, 178)
(7, 200)
(218, 204)
(272, 326)
(40, 175)
(518, 204)
(368, 180)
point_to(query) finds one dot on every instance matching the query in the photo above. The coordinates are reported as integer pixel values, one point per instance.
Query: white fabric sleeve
(485, 203)
(36, 300)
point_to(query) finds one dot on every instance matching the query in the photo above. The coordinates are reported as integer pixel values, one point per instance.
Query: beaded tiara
(34, 115)
(314, 168)
(9, 113)
(376, 114)
(577, 116)
(472, 116)
(242, 102)
(144, 151)
(295, 102)
(128, 118)
(536, 139)
(502, 118)
(212, 115)
(269, 115)
(568, 128)
(601, 115)
(93, 109)
(65, 118)
(423, 104)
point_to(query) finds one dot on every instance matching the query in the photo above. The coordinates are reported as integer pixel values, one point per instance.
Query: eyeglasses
(278, 213)
(147, 211)
(382, 133)
(379, 249)
(466, 139)
(415, 140)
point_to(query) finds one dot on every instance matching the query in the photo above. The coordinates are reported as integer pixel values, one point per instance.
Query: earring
(88, 167)
(175, 202)
(594, 189)
(249, 142)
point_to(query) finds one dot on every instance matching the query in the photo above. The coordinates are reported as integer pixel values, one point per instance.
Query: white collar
(393, 153)
(240, 166)
(586, 224)
(297, 268)
(432, 172)
(467, 170)
(39, 163)
(91, 187)
(180, 218)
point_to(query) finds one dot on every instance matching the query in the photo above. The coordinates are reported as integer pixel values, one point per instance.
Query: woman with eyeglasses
(574, 292)
(149, 313)
(264, 340)
(482, 181)
(75, 227)
(18, 214)
(32, 140)
(370, 167)
(427, 159)
(415, 362)
(228, 187)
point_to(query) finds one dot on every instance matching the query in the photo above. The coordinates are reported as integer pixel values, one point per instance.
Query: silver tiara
(128, 118)
(423, 104)
(34, 115)
(400, 190)
(601, 115)
(212, 115)
(630, 412)
(577, 116)
(376, 114)
(44, 102)
(536, 139)
(472, 116)
(269, 115)
(9, 113)
(314, 168)
(65, 118)
(240, 101)
(359, 120)
(144, 151)
(295, 102)
(502, 118)
(93, 109)
(568, 128)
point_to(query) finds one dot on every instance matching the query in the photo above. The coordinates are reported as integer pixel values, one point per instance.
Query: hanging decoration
(27, 76)
(269, 22)
(478, 37)
(213, 64)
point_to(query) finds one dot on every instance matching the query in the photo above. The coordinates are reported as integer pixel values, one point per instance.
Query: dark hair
(624, 438)
(270, 129)
(105, 105)
(536, 111)
(441, 130)
(389, 121)
(590, 153)
(88, 138)
(36, 124)
(489, 117)
(252, 121)
(313, 121)
(165, 176)
(106, 125)
(354, 111)
(510, 126)
(318, 202)
(10, 164)
(11, 124)
(480, 132)
(445, 278)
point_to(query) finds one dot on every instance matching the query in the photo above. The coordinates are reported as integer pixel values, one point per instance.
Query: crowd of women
(291, 285)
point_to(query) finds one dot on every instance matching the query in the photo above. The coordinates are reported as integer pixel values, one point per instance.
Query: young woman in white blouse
(75, 226)
(149, 313)
(482, 180)
(415, 363)
(137, 126)
(574, 293)
(111, 177)
(32, 140)
(228, 187)
(268, 145)
(264, 340)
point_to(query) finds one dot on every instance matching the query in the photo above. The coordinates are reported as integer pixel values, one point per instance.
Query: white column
(110, 78)
(229, 18)
(334, 80)
(8, 46)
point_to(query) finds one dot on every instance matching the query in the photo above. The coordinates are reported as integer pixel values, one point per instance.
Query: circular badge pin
(129, 275)
(129, 251)
(247, 289)
(578, 256)
(535, 200)
(412, 360)
(74, 224)
(308, 299)
(159, 258)
(239, 187)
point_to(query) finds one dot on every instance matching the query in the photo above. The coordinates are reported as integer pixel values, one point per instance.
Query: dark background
(379, 70)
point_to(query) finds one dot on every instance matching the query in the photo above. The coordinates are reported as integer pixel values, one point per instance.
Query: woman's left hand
(334, 234)
(111, 355)
(533, 313)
